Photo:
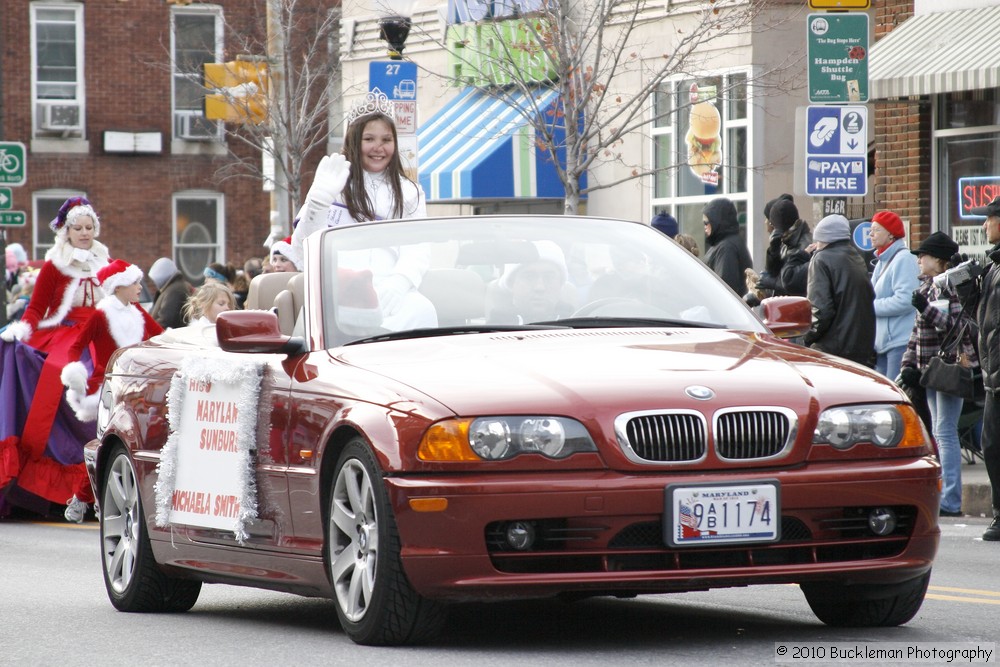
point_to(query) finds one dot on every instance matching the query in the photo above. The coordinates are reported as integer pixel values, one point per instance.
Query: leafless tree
(298, 43)
(600, 57)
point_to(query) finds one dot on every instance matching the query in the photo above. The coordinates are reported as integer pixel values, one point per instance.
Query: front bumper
(603, 531)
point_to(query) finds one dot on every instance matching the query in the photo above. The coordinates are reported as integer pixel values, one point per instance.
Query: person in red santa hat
(118, 322)
(38, 451)
(285, 256)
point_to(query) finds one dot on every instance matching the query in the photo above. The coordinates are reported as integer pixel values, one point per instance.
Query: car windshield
(461, 275)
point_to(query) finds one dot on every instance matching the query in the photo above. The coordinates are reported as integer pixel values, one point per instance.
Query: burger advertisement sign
(704, 135)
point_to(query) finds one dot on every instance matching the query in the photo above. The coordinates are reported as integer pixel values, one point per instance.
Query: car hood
(584, 371)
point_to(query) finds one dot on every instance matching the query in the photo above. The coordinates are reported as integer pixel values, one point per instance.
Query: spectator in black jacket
(727, 252)
(843, 300)
(172, 291)
(786, 264)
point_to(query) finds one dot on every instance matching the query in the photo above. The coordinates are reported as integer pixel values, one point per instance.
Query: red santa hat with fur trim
(285, 248)
(118, 273)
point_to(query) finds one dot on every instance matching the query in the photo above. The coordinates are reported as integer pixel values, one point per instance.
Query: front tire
(868, 606)
(375, 603)
(131, 577)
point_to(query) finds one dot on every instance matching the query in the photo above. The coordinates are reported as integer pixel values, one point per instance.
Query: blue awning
(481, 147)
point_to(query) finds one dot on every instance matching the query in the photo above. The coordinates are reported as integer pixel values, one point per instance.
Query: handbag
(949, 372)
(948, 377)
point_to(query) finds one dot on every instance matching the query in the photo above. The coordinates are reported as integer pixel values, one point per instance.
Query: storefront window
(968, 164)
(700, 146)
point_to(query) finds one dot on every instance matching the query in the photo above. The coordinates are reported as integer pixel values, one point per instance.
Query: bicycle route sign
(13, 163)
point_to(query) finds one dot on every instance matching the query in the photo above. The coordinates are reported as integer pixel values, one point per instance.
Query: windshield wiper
(433, 332)
(618, 322)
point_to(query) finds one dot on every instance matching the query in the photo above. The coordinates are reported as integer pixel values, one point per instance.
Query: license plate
(735, 513)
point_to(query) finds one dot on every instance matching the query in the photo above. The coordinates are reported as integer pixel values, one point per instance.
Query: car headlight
(883, 425)
(500, 438)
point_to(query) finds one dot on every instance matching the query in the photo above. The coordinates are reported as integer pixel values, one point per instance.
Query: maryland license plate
(737, 513)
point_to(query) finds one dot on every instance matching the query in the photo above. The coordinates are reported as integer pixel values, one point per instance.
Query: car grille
(667, 437)
(678, 437)
(751, 435)
(813, 537)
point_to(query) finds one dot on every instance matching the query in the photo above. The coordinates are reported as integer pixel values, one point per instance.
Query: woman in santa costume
(41, 454)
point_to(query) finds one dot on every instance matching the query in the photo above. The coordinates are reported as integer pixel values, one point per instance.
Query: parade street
(54, 611)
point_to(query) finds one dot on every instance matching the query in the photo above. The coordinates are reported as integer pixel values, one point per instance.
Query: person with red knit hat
(894, 279)
(40, 441)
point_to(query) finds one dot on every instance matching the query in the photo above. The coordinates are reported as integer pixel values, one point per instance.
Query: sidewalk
(976, 498)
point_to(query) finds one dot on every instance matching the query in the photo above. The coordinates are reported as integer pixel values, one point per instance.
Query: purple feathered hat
(71, 209)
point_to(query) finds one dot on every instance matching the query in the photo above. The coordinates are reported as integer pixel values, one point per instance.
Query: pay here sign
(837, 151)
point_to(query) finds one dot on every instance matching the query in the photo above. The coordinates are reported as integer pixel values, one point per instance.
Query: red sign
(975, 192)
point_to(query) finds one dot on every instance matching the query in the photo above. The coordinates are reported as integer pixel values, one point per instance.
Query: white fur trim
(64, 305)
(74, 376)
(84, 406)
(289, 252)
(19, 330)
(61, 255)
(131, 275)
(125, 322)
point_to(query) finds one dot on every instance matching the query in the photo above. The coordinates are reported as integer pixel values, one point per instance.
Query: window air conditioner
(195, 127)
(62, 116)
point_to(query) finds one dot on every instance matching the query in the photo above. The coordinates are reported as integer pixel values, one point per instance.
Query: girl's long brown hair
(356, 198)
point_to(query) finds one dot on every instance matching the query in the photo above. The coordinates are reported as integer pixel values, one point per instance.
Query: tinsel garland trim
(247, 376)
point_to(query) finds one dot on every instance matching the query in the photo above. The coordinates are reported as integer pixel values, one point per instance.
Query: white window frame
(40, 240)
(672, 130)
(204, 142)
(217, 248)
(71, 139)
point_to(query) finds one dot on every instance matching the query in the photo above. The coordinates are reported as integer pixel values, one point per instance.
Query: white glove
(391, 291)
(19, 330)
(331, 177)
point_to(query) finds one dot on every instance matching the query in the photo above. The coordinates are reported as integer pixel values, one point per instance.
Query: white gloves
(331, 177)
(19, 330)
(391, 291)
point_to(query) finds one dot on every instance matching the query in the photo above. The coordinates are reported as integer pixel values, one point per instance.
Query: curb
(977, 500)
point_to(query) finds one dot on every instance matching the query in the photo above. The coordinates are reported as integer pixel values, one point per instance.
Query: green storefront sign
(838, 58)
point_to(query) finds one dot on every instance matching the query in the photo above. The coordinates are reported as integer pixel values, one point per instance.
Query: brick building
(106, 98)
(935, 75)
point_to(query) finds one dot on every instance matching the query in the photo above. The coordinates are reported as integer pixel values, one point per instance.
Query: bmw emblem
(699, 393)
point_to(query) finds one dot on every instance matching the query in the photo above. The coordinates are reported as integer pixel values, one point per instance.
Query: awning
(479, 147)
(941, 52)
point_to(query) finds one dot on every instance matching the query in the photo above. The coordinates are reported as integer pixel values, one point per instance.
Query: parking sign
(837, 151)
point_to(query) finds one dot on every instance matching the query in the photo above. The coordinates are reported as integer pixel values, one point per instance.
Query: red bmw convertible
(506, 407)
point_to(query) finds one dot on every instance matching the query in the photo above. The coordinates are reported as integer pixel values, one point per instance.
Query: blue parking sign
(861, 236)
(837, 151)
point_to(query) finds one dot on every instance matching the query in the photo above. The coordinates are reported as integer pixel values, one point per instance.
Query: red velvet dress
(38, 460)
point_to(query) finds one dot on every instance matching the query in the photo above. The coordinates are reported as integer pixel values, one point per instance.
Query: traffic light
(237, 91)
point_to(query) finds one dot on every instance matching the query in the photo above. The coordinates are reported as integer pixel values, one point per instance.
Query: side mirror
(787, 316)
(255, 332)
